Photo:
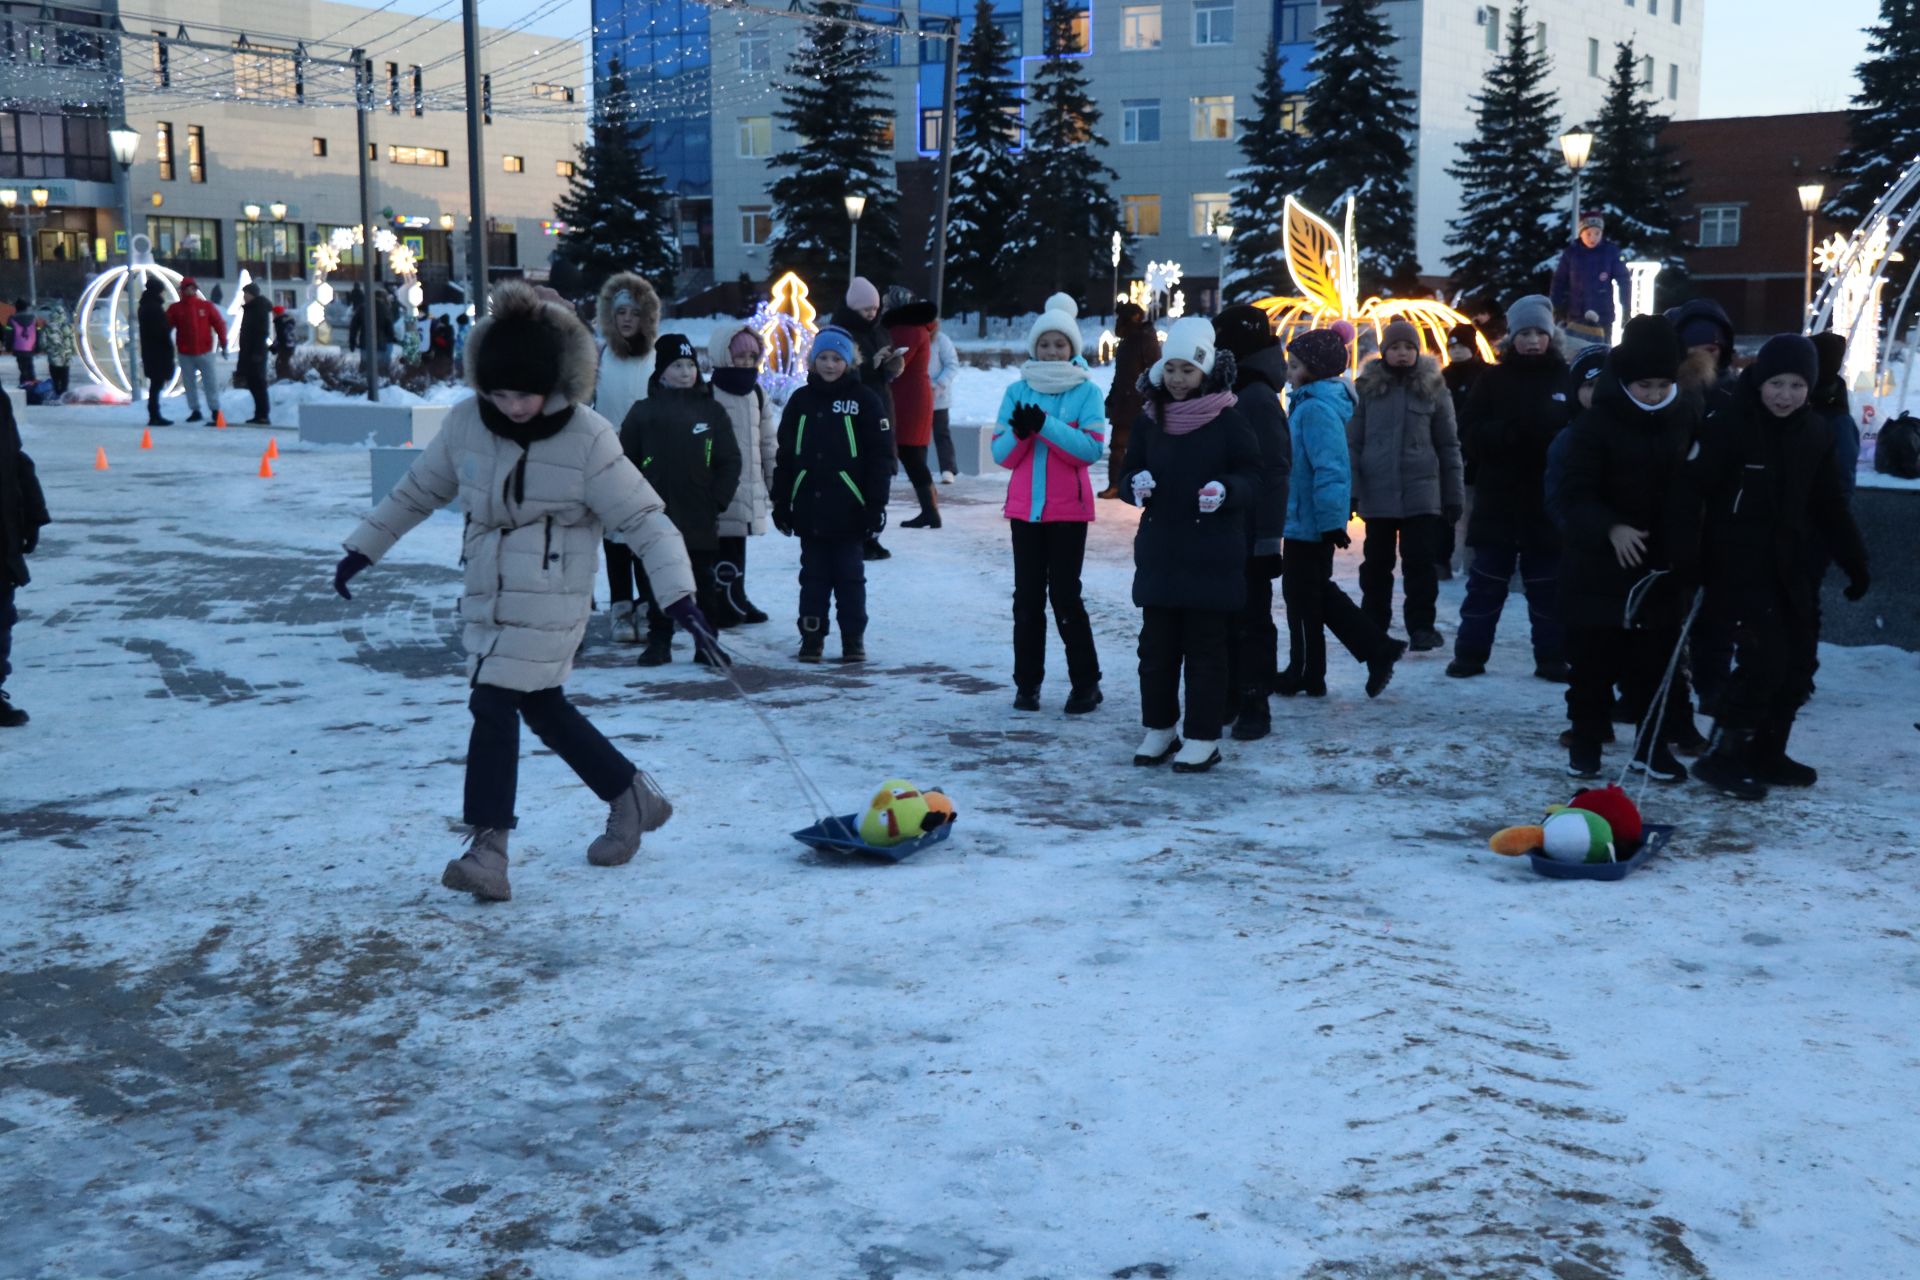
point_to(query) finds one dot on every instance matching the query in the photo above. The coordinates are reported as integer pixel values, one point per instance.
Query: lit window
(554, 92)
(430, 157)
(265, 71)
(930, 118)
(563, 168)
(163, 144)
(513, 164)
(196, 153)
(754, 137)
(1213, 119)
(320, 146)
(1213, 22)
(1140, 120)
(1491, 16)
(1140, 215)
(1140, 26)
(1293, 113)
(756, 51)
(883, 132)
(756, 224)
(1719, 226)
(1209, 208)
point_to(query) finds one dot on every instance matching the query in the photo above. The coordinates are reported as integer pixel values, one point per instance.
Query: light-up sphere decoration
(400, 260)
(1325, 265)
(110, 288)
(1854, 278)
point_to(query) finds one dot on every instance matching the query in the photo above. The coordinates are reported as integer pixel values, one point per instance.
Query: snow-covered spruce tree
(1884, 124)
(1633, 178)
(1067, 215)
(834, 104)
(1275, 155)
(1358, 118)
(1512, 203)
(985, 181)
(618, 213)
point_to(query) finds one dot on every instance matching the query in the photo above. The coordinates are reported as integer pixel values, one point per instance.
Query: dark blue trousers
(1487, 580)
(832, 571)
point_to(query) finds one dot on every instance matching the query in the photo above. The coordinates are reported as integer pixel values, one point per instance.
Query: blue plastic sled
(1657, 835)
(842, 835)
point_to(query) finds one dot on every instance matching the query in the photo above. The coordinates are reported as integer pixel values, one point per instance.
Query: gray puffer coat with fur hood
(534, 515)
(1404, 443)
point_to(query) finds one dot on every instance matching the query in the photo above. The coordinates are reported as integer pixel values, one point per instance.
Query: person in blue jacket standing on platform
(1583, 283)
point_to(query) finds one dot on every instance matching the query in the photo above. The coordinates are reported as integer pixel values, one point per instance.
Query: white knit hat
(1190, 339)
(1062, 316)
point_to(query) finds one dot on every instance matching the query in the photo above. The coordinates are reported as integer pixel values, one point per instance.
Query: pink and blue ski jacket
(1050, 478)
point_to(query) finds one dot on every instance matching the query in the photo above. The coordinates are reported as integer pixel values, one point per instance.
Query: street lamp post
(1223, 233)
(278, 212)
(126, 144)
(30, 220)
(856, 205)
(1811, 193)
(1575, 148)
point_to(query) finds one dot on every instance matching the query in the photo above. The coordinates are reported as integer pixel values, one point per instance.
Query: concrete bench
(367, 424)
(973, 449)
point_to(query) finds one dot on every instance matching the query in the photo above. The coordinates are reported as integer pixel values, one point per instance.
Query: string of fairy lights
(260, 67)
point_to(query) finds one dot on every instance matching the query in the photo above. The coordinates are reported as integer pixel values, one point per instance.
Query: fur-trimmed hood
(579, 359)
(644, 299)
(718, 355)
(1374, 380)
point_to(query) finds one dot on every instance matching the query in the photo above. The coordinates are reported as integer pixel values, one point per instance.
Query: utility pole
(947, 130)
(476, 165)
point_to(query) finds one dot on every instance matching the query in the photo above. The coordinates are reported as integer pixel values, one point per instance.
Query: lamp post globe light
(1811, 194)
(1223, 235)
(856, 205)
(29, 219)
(1575, 149)
(278, 212)
(125, 143)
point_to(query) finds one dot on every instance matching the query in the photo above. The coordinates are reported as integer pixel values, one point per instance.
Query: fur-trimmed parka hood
(720, 343)
(1374, 380)
(579, 359)
(645, 300)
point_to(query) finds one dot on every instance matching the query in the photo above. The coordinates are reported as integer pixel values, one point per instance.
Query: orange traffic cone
(99, 459)
(146, 439)
(219, 419)
(266, 466)
(273, 446)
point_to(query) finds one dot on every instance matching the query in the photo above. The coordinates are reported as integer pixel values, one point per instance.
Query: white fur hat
(1061, 316)
(1190, 339)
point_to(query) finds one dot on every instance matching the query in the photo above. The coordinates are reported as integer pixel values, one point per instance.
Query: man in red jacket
(199, 330)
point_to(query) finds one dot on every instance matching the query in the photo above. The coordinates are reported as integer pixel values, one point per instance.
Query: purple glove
(685, 612)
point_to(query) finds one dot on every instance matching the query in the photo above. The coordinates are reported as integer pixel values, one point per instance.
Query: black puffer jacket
(156, 335)
(835, 458)
(255, 317)
(683, 443)
(1261, 379)
(1625, 465)
(1774, 504)
(1514, 411)
(23, 508)
(1184, 558)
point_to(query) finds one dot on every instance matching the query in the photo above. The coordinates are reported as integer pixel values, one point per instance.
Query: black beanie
(1587, 365)
(1786, 353)
(1243, 329)
(1649, 348)
(1832, 350)
(1463, 335)
(669, 347)
(519, 352)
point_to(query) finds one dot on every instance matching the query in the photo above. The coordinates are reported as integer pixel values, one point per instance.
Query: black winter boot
(11, 717)
(1771, 763)
(1255, 720)
(1728, 765)
(813, 639)
(1380, 668)
(1082, 701)
(853, 647)
(659, 650)
(929, 517)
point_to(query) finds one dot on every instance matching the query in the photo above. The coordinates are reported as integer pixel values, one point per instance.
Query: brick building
(1743, 209)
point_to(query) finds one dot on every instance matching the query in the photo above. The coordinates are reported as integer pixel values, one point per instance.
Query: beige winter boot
(641, 808)
(482, 869)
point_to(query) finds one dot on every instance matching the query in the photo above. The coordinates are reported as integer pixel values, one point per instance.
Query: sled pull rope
(1656, 713)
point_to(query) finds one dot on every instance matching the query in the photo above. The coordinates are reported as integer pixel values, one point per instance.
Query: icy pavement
(1290, 1019)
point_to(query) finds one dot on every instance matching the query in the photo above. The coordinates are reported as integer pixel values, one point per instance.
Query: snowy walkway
(1290, 1019)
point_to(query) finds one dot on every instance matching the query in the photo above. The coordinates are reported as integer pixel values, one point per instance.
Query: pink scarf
(1182, 416)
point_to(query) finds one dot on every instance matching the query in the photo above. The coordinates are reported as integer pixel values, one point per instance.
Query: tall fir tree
(985, 173)
(1067, 214)
(1513, 188)
(617, 210)
(1275, 159)
(1358, 119)
(1635, 179)
(834, 106)
(1884, 124)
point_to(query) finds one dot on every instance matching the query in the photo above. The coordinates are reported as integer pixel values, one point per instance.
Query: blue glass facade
(663, 47)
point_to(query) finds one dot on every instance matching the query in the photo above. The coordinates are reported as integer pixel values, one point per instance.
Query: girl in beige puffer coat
(628, 318)
(538, 476)
(736, 352)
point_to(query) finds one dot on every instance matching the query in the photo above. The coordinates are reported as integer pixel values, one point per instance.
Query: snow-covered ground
(1288, 1019)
